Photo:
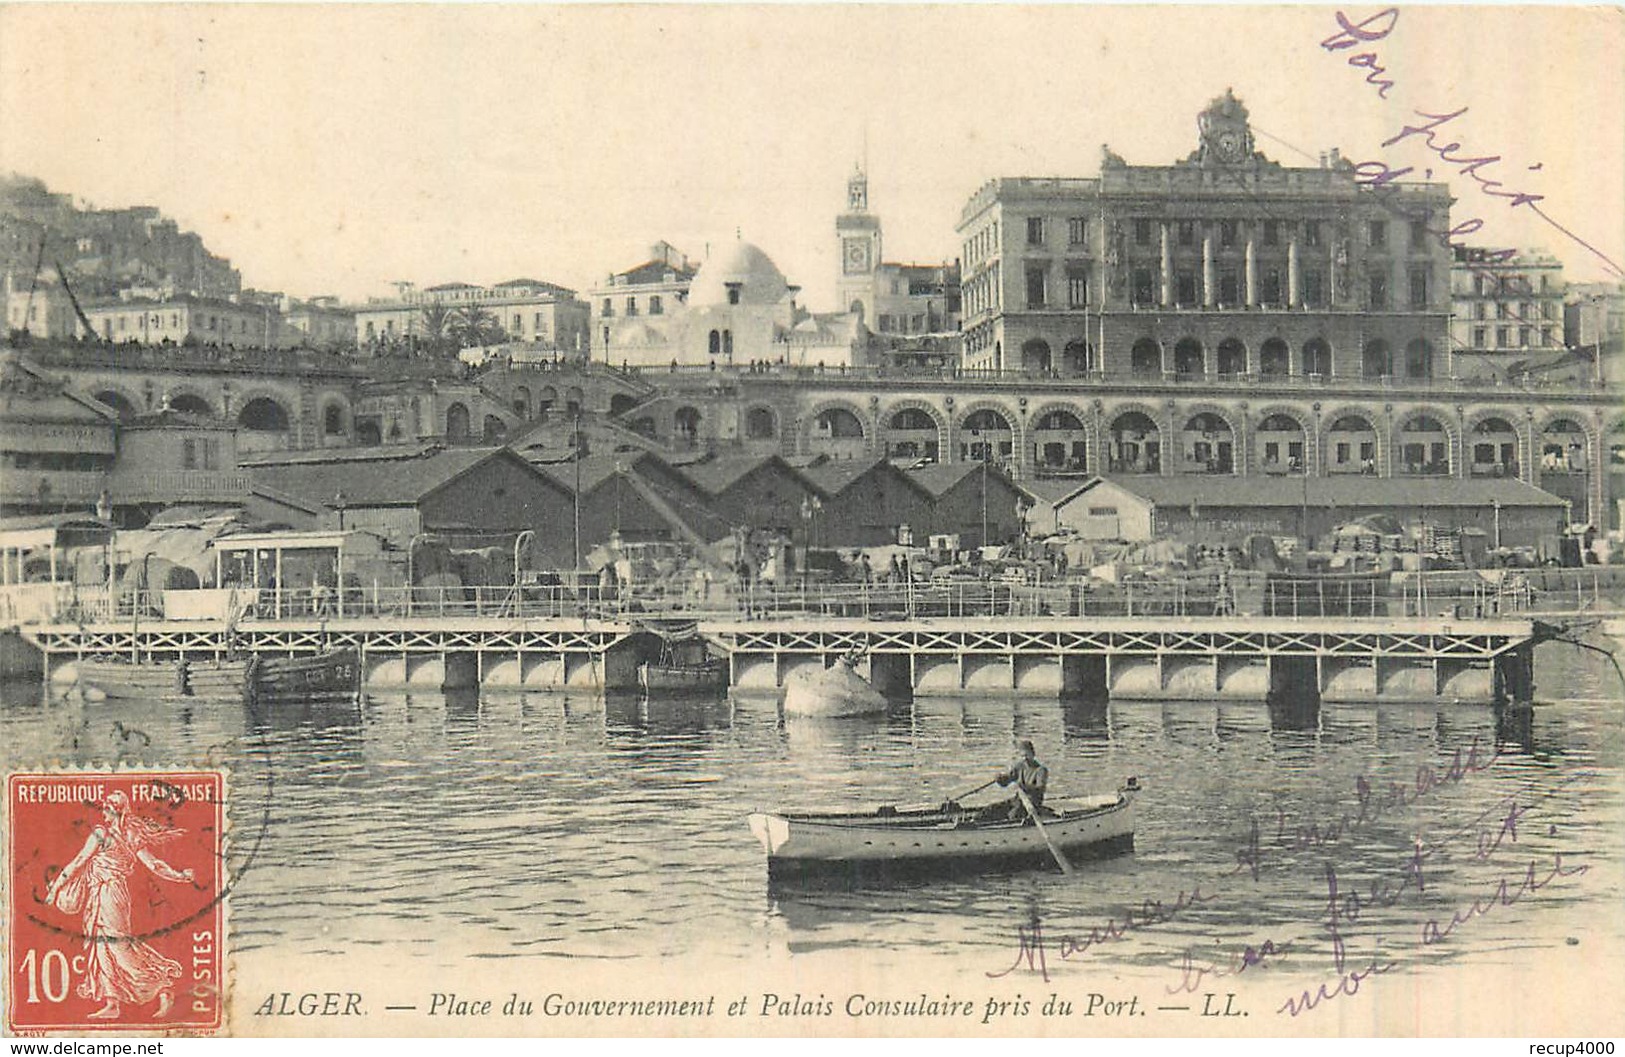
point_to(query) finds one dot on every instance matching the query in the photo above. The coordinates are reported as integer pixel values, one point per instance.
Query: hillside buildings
(526, 311)
(1506, 311)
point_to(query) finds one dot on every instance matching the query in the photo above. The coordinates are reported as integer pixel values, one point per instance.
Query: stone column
(1167, 268)
(1527, 453)
(1241, 439)
(1210, 293)
(1293, 282)
(1252, 269)
(1168, 438)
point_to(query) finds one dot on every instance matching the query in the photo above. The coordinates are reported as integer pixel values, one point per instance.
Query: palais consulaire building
(1223, 316)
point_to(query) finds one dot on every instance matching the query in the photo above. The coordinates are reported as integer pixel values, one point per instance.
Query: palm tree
(437, 322)
(473, 325)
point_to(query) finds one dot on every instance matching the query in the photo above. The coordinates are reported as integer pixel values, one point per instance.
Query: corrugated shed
(371, 482)
(1345, 491)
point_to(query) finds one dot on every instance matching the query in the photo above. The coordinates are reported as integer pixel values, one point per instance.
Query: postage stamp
(116, 915)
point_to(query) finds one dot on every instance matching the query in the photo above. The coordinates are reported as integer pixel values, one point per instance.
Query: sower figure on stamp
(120, 967)
(1029, 776)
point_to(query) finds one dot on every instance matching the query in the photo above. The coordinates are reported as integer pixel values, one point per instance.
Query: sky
(335, 149)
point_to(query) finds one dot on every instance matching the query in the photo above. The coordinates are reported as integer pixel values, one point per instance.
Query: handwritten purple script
(1491, 832)
(1033, 947)
(1434, 133)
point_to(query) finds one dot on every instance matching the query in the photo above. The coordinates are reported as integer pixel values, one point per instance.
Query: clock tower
(1226, 138)
(857, 234)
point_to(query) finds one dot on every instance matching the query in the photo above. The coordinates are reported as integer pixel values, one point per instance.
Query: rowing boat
(857, 846)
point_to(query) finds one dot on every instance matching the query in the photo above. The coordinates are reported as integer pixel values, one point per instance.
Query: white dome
(757, 278)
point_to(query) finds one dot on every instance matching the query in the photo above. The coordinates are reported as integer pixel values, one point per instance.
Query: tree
(473, 325)
(437, 321)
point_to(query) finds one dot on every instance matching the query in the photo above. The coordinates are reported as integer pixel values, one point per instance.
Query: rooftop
(370, 481)
(1336, 491)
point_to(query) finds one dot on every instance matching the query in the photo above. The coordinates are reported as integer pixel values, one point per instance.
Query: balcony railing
(1246, 595)
(178, 486)
(1128, 378)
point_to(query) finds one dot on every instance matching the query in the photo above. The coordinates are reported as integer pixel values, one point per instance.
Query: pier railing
(1308, 597)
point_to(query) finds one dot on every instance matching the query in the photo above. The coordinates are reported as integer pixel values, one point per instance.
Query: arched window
(521, 401)
(333, 420)
(984, 436)
(1493, 449)
(1189, 360)
(714, 344)
(1423, 448)
(1351, 446)
(1375, 360)
(189, 404)
(1035, 355)
(1208, 445)
(1279, 442)
(761, 424)
(1419, 359)
(495, 431)
(1232, 357)
(457, 427)
(1135, 444)
(264, 415)
(1079, 357)
(838, 422)
(1059, 443)
(1317, 357)
(117, 402)
(1274, 359)
(1145, 359)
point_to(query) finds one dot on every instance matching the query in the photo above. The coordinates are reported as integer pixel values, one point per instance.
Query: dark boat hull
(838, 874)
(683, 678)
(327, 676)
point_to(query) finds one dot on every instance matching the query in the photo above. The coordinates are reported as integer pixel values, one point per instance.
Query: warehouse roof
(1349, 490)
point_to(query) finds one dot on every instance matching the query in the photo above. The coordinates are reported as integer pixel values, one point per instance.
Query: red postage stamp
(117, 901)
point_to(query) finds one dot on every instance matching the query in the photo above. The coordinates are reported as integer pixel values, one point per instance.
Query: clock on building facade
(856, 256)
(1226, 137)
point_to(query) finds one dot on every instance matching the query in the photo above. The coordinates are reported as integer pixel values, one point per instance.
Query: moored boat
(888, 842)
(325, 676)
(833, 693)
(130, 679)
(672, 678)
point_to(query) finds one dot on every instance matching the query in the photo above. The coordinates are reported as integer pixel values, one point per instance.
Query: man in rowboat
(1031, 777)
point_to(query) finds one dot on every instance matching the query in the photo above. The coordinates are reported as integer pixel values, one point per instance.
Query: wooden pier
(1347, 659)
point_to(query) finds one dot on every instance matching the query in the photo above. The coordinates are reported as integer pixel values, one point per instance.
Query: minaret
(858, 242)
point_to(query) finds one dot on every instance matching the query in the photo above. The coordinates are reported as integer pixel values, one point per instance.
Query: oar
(1027, 803)
(951, 800)
(973, 792)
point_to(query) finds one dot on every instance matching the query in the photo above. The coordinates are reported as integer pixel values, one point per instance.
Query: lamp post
(806, 537)
(411, 583)
(520, 542)
(575, 450)
(339, 503)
